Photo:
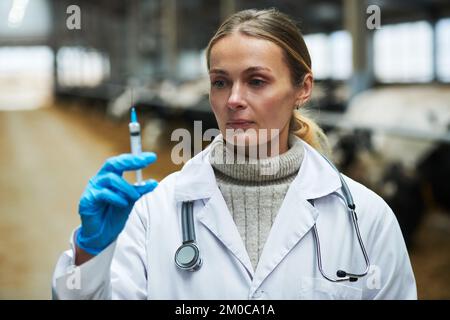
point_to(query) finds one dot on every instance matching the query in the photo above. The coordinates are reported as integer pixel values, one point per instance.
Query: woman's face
(251, 88)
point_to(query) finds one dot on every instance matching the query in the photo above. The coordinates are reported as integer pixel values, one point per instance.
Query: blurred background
(70, 70)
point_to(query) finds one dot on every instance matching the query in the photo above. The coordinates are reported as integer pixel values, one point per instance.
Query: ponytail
(310, 132)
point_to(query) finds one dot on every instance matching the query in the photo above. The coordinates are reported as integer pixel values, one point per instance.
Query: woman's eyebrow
(257, 68)
(248, 70)
(219, 71)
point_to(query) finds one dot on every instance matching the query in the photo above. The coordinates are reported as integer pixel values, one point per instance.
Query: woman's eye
(257, 82)
(218, 83)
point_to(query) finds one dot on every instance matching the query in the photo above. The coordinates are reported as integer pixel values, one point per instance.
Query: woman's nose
(236, 99)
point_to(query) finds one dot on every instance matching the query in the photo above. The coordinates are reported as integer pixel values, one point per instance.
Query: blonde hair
(279, 28)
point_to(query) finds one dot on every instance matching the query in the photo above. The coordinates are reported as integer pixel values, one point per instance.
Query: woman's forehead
(243, 52)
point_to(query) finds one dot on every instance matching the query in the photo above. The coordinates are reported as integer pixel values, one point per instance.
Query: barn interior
(71, 70)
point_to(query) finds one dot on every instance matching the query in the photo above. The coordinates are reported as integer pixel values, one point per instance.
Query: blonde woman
(277, 225)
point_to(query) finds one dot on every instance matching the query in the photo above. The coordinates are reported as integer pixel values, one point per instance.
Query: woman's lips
(240, 124)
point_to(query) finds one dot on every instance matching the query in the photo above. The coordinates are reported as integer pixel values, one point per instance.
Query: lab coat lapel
(296, 216)
(218, 219)
(196, 181)
(293, 221)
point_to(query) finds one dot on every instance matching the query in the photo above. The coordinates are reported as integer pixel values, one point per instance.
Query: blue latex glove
(108, 199)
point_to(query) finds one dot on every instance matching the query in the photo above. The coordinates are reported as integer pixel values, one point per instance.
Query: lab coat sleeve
(128, 269)
(91, 280)
(118, 272)
(391, 275)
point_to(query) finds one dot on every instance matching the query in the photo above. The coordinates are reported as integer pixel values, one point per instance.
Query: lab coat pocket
(322, 289)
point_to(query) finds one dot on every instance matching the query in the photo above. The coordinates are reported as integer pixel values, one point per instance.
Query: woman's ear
(305, 90)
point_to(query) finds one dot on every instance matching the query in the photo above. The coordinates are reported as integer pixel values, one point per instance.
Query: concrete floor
(46, 159)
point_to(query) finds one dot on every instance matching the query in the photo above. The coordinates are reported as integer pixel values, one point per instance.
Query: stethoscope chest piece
(188, 258)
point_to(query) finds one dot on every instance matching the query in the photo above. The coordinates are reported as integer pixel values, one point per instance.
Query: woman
(258, 222)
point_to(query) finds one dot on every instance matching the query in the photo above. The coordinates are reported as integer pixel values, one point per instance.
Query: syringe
(135, 139)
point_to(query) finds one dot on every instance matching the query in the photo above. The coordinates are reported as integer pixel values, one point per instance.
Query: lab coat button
(259, 294)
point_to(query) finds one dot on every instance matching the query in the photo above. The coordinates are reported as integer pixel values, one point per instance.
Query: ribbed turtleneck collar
(252, 170)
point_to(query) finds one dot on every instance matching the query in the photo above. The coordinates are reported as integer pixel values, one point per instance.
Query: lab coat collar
(316, 178)
(196, 180)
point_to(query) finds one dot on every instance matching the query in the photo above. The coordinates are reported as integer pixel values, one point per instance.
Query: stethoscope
(187, 257)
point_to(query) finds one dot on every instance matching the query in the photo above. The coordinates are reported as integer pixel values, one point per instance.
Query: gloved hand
(108, 199)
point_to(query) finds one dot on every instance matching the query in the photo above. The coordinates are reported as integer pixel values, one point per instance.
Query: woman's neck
(273, 147)
(236, 167)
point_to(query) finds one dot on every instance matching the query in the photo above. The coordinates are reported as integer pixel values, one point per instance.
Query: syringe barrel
(136, 145)
(135, 138)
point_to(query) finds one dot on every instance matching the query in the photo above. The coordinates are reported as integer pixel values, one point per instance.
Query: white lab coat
(140, 263)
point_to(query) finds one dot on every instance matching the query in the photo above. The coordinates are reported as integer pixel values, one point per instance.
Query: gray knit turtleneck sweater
(252, 192)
